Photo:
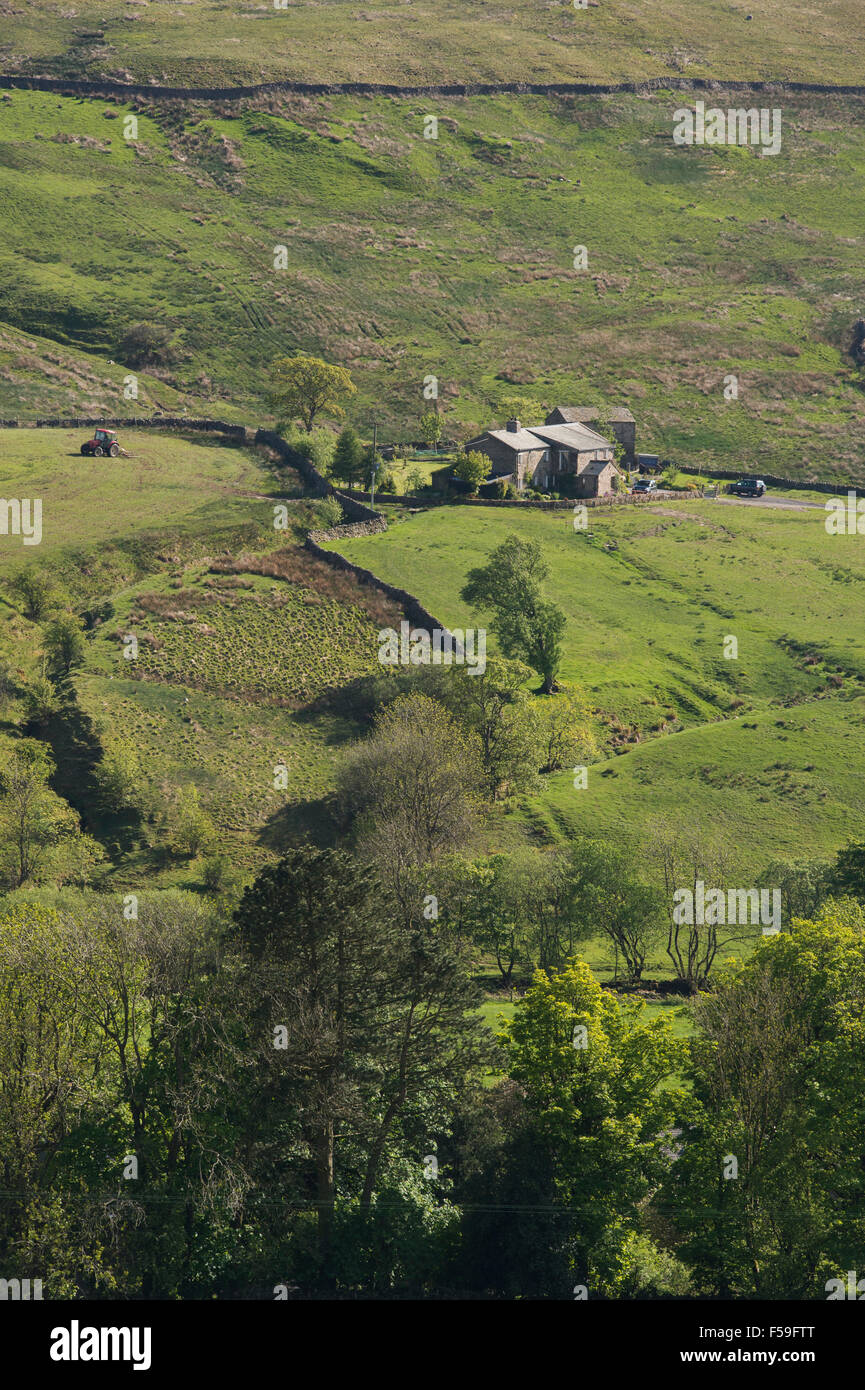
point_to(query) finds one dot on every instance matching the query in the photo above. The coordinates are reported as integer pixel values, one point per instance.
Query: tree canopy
(528, 627)
(303, 387)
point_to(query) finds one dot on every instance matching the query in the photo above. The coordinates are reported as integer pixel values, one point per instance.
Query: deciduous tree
(769, 1187)
(413, 787)
(303, 387)
(32, 817)
(528, 628)
(588, 1140)
(472, 468)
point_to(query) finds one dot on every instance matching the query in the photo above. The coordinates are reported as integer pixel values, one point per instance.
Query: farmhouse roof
(582, 414)
(598, 466)
(574, 436)
(518, 440)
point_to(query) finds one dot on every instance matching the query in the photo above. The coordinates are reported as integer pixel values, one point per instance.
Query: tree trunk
(325, 1194)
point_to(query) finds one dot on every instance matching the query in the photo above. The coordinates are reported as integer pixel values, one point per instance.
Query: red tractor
(103, 442)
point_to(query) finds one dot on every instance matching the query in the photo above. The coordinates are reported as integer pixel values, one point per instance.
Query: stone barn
(617, 421)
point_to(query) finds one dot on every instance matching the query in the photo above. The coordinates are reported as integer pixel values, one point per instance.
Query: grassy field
(170, 482)
(239, 630)
(214, 42)
(761, 752)
(409, 257)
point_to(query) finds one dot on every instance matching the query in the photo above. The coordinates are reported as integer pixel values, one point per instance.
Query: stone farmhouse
(541, 455)
(618, 422)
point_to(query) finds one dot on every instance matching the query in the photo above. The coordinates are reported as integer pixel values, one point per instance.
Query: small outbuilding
(597, 479)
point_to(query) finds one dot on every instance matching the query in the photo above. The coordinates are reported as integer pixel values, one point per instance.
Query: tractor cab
(103, 442)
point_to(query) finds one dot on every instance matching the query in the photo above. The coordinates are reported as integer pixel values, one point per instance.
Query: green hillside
(42, 377)
(169, 485)
(761, 751)
(451, 257)
(203, 42)
(239, 633)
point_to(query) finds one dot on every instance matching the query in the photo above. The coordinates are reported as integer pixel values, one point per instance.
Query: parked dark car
(646, 485)
(750, 487)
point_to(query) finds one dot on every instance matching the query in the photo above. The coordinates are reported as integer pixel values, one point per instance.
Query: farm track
(106, 87)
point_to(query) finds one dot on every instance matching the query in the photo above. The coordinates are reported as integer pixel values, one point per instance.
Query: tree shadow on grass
(77, 753)
(314, 822)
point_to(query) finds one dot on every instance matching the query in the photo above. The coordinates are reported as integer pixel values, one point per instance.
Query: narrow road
(784, 503)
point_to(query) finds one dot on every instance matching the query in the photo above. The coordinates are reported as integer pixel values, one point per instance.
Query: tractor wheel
(114, 451)
(97, 452)
(84, 449)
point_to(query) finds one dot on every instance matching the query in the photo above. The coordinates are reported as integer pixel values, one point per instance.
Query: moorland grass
(409, 257)
(211, 42)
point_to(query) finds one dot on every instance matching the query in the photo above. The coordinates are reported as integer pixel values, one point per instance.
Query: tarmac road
(785, 503)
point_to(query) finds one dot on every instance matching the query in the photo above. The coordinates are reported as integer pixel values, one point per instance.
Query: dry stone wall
(106, 87)
(411, 606)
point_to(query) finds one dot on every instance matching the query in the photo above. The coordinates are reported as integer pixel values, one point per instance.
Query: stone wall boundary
(410, 604)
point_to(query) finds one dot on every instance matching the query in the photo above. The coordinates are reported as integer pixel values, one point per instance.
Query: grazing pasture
(400, 257)
(210, 42)
(764, 751)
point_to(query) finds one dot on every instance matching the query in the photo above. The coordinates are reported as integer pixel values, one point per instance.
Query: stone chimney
(513, 427)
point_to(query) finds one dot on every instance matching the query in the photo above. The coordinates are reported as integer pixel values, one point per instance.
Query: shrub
(386, 481)
(147, 344)
(63, 646)
(41, 702)
(219, 874)
(416, 480)
(36, 592)
(317, 448)
(472, 468)
(190, 829)
(121, 779)
(97, 615)
(328, 513)
(8, 682)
